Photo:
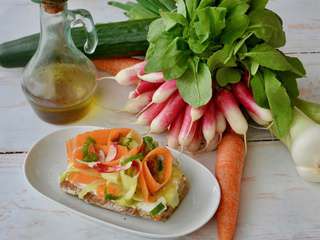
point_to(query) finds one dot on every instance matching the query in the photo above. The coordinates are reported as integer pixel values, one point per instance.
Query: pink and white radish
(135, 105)
(209, 122)
(244, 96)
(173, 135)
(257, 119)
(112, 153)
(168, 114)
(143, 87)
(221, 124)
(146, 117)
(188, 128)
(197, 113)
(197, 140)
(229, 106)
(101, 156)
(212, 145)
(164, 91)
(129, 76)
(154, 77)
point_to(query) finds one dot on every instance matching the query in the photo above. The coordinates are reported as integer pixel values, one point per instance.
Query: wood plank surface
(301, 19)
(20, 127)
(276, 204)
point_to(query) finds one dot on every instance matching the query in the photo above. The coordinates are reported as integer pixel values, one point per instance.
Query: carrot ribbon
(148, 183)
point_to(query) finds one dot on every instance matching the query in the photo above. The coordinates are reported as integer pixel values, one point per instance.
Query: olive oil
(60, 92)
(59, 81)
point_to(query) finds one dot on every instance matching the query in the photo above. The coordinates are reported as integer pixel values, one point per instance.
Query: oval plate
(47, 159)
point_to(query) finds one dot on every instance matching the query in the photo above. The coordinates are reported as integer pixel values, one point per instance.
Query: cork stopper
(52, 6)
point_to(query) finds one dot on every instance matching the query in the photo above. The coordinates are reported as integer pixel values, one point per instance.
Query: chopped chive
(149, 143)
(160, 164)
(88, 156)
(138, 156)
(157, 209)
(108, 197)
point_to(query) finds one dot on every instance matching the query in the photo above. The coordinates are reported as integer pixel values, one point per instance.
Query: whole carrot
(229, 168)
(115, 65)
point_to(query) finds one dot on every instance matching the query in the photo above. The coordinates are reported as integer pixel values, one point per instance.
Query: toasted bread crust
(91, 198)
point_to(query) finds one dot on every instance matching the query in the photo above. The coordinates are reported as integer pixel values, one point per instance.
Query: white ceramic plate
(47, 159)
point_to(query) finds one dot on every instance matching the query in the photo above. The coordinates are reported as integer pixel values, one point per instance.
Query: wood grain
(20, 123)
(275, 204)
(301, 19)
(301, 24)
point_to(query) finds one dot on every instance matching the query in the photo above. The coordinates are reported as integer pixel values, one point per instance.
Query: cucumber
(126, 38)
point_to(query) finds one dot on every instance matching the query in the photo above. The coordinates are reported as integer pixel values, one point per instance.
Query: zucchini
(126, 38)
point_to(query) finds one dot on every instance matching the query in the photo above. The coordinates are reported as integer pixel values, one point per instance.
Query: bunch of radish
(158, 104)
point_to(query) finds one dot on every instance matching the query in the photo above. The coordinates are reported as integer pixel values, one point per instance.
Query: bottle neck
(54, 23)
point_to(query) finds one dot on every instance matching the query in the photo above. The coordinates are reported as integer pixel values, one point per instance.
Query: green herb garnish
(124, 141)
(128, 142)
(108, 197)
(90, 157)
(149, 144)
(86, 145)
(138, 156)
(87, 155)
(158, 209)
(160, 164)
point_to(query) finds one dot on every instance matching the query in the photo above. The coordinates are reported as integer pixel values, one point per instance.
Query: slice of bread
(91, 198)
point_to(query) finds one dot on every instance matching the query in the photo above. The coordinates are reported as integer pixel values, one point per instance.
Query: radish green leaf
(195, 85)
(280, 104)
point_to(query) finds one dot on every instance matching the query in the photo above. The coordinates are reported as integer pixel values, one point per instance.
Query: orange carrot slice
(147, 197)
(101, 136)
(152, 184)
(73, 154)
(104, 148)
(115, 136)
(69, 148)
(101, 190)
(74, 145)
(114, 189)
(144, 188)
(117, 133)
(103, 140)
(80, 165)
(121, 151)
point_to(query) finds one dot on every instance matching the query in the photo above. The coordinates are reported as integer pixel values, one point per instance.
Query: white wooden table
(275, 202)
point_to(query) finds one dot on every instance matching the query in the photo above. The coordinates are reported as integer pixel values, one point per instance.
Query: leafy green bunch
(204, 40)
(142, 9)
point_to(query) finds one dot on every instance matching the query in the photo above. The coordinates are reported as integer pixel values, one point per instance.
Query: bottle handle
(83, 17)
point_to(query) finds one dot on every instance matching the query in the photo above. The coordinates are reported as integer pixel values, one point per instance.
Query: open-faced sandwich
(119, 170)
